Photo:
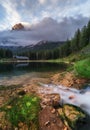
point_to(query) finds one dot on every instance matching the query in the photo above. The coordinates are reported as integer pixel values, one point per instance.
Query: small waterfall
(73, 96)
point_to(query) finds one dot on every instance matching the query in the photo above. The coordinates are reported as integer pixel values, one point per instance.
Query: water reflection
(22, 73)
(31, 67)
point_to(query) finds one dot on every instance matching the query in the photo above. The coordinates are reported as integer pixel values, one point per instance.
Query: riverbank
(68, 79)
(18, 89)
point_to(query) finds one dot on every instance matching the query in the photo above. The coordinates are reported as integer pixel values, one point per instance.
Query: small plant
(25, 110)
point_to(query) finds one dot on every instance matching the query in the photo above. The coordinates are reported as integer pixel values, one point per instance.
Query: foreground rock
(74, 117)
(49, 120)
(50, 100)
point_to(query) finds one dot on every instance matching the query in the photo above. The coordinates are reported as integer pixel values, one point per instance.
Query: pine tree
(88, 32)
(83, 39)
(75, 42)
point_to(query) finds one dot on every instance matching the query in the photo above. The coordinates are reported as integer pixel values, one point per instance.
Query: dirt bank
(69, 79)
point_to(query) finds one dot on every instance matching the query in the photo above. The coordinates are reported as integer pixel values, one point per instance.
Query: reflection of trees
(32, 67)
(6, 67)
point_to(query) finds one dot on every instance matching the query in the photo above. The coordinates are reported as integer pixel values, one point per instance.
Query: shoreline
(8, 94)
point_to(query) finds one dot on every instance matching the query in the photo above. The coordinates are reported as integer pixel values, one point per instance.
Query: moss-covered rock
(73, 116)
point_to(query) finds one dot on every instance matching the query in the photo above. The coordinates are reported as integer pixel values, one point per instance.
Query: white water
(73, 96)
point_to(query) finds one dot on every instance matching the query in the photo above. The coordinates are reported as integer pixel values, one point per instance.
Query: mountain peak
(18, 26)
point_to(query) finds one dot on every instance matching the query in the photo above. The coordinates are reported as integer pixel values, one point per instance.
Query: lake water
(19, 73)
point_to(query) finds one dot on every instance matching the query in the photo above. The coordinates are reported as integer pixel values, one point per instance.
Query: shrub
(83, 68)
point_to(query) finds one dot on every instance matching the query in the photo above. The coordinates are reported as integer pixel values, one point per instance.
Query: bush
(83, 68)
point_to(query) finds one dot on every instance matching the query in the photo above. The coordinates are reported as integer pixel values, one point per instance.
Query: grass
(83, 68)
(24, 110)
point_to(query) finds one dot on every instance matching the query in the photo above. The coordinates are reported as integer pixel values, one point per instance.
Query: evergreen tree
(88, 32)
(75, 42)
(83, 39)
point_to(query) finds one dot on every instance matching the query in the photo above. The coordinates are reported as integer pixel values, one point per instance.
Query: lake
(22, 72)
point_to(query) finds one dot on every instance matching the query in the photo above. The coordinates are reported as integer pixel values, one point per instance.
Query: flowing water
(21, 73)
(73, 96)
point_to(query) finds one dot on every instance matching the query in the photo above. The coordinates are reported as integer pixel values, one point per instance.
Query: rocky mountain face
(39, 46)
(18, 26)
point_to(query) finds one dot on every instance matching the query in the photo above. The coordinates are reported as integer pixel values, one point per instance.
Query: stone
(49, 120)
(47, 123)
(71, 96)
(9, 107)
(73, 116)
(22, 92)
(65, 128)
(50, 100)
(53, 110)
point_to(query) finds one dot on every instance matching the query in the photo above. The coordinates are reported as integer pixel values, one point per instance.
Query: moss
(74, 115)
(24, 109)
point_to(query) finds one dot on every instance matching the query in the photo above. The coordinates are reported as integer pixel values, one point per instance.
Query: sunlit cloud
(11, 16)
(33, 11)
(42, 1)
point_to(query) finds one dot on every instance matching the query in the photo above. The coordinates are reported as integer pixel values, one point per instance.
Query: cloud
(35, 10)
(42, 1)
(50, 29)
(11, 16)
(47, 29)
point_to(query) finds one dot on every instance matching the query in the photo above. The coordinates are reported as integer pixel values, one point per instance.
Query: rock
(65, 128)
(55, 100)
(9, 107)
(49, 120)
(53, 110)
(50, 100)
(22, 126)
(72, 97)
(47, 123)
(73, 116)
(22, 92)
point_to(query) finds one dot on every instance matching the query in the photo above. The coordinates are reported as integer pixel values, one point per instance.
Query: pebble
(47, 123)
(53, 111)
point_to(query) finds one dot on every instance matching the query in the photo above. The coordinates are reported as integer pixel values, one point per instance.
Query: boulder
(50, 100)
(49, 120)
(74, 117)
(22, 92)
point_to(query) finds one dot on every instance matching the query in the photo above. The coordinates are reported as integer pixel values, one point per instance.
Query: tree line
(5, 53)
(80, 39)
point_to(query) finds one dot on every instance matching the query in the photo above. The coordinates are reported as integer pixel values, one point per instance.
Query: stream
(80, 98)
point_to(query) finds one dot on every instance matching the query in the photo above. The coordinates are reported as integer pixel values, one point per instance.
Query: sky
(52, 20)
(33, 11)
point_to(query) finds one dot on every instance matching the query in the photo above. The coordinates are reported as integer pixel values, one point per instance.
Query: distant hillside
(41, 46)
(46, 45)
